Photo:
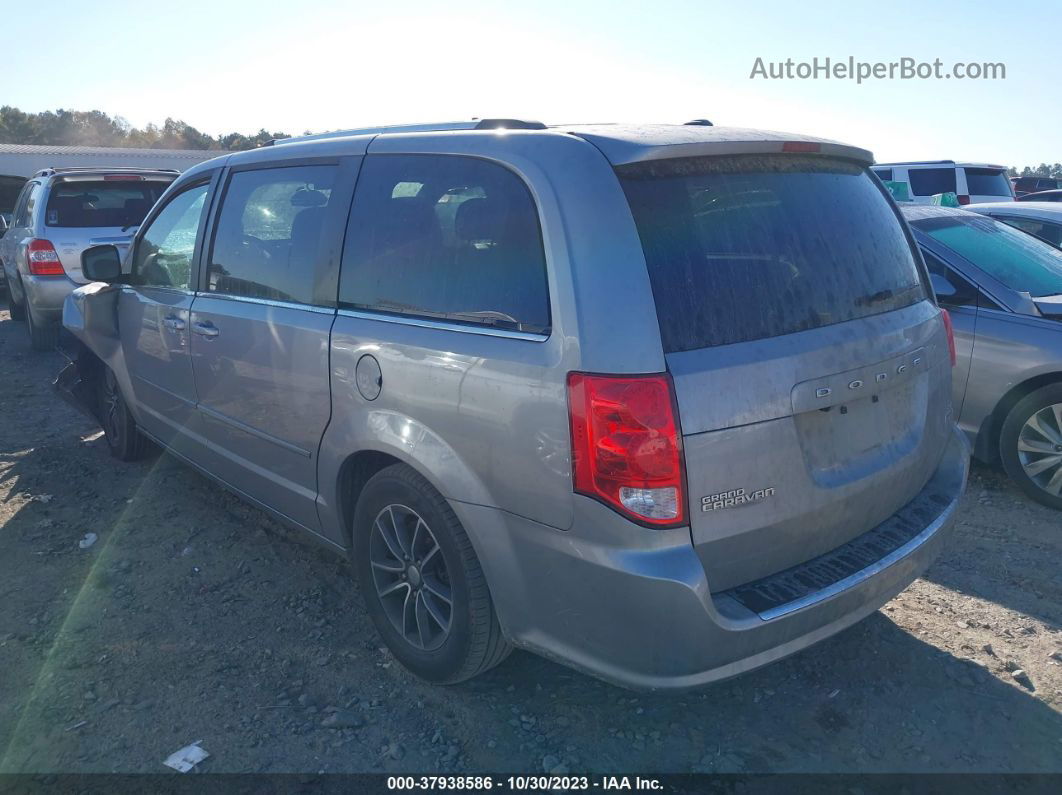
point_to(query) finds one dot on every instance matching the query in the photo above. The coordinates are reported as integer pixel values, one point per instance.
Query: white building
(18, 162)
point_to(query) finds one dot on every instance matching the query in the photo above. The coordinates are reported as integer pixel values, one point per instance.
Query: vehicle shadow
(1002, 548)
(872, 699)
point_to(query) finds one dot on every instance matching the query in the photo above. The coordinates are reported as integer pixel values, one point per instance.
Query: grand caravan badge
(734, 498)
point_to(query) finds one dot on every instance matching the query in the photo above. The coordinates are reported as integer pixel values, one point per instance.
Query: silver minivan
(663, 403)
(59, 213)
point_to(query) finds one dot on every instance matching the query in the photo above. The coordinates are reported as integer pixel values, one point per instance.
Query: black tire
(1024, 450)
(42, 337)
(119, 428)
(17, 309)
(473, 642)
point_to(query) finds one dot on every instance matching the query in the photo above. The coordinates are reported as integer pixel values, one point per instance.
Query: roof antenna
(699, 123)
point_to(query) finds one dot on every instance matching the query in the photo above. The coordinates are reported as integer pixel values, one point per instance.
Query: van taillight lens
(626, 445)
(963, 198)
(951, 335)
(43, 258)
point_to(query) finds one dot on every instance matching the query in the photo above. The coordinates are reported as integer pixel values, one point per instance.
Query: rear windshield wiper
(877, 298)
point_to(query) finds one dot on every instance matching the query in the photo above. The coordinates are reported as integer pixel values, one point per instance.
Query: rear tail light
(43, 258)
(123, 178)
(626, 445)
(951, 335)
(963, 198)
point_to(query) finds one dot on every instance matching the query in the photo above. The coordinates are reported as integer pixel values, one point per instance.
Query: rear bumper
(646, 618)
(45, 294)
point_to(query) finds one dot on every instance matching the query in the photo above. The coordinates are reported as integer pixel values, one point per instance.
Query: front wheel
(1031, 445)
(421, 580)
(119, 427)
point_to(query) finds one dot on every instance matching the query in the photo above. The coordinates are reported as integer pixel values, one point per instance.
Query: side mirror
(101, 263)
(942, 286)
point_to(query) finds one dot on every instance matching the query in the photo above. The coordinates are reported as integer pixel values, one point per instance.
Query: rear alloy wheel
(1031, 445)
(411, 578)
(119, 427)
(421, 580)
(42, 337)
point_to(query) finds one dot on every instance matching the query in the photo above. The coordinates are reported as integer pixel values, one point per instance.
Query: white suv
(971, 182)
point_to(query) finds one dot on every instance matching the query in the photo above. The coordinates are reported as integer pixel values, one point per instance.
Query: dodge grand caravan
(663, 403)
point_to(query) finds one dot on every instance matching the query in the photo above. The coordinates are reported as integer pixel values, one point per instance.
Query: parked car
(970, 182)
(664, 403)
(1041, 219)
(1024, 185)
(1041, 196)
(59, 213)
(1003, 289)
(3, 231)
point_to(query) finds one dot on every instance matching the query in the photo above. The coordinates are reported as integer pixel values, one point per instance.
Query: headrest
(308, 198)
(481, 220)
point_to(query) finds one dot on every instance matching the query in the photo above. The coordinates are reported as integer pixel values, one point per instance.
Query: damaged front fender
(90, 315)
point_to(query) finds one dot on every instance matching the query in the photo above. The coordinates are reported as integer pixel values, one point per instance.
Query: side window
(269, 232)
(26, 202)
(930, 181)
(885, 174)
(165, 251)
(966, 291)
(1046, 231)
(445, 237)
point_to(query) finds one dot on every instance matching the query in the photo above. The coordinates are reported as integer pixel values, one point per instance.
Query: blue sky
(328, 64)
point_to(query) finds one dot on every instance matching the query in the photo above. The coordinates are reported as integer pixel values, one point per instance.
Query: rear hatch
(811, 369)
(94, 210)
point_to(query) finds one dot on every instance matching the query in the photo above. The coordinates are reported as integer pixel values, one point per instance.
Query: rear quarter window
(931, 181)
(744, 248)
(445, 237)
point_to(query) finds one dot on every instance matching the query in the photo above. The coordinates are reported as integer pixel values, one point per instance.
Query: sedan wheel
(1040, 448)
(1030, 445)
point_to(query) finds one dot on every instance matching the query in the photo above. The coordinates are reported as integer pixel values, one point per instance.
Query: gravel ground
(196, 618)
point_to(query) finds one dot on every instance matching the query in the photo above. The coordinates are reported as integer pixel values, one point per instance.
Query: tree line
(95, 128)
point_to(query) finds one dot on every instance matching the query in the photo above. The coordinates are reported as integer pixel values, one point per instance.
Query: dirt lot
(196, 618)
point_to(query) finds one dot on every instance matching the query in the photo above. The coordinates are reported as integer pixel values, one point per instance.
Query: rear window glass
(931, 181)
(1011, 256)
(743, 248)
(987, 182)
(101, 204)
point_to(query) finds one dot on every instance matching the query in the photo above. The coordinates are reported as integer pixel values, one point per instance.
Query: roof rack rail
(445, 126)
(918, 163)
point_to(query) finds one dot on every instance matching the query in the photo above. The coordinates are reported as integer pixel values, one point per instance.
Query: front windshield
(1011, 256)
